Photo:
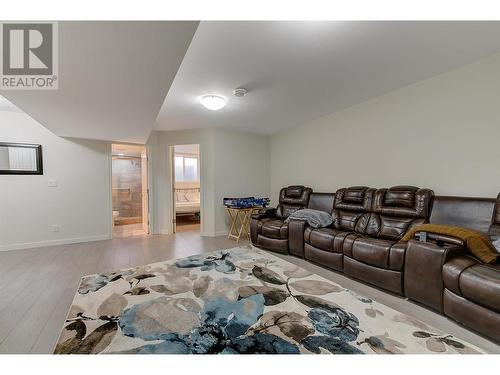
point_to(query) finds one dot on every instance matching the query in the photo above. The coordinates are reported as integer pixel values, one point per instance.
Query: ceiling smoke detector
(240, 92)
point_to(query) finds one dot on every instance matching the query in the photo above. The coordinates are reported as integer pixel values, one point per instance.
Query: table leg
(243, 225)
(233, 230)
(246, 224)
(241, 216)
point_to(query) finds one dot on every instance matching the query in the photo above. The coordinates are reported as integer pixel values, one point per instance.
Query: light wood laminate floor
(37, 285)
(128, 230)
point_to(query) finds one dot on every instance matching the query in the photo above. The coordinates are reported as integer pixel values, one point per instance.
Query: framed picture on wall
(20, 158)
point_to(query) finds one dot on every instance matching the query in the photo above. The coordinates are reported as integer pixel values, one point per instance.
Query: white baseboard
(64, 241)
(215, 234)
(203, 234)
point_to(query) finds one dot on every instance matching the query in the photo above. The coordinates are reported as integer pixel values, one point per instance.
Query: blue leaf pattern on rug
(221, 263)
(242, 300)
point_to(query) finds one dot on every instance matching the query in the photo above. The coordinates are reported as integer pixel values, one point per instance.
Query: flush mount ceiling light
(213, 102)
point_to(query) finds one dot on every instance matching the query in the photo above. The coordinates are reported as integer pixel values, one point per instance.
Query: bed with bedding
(187, 201)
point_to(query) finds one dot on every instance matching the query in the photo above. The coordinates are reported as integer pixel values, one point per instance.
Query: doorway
(130, 193)
(186, 188)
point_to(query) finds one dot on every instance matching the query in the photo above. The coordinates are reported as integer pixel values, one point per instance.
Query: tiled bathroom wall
(127, 198)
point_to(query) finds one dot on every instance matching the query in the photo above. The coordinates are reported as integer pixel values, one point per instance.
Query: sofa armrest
(441, 239)
(423, 272)
(263, 213)
(256, 224)
(296, 230)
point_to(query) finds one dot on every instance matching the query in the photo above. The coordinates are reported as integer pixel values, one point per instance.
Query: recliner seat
(326, 245)
(363, 240)
(472, 289)
(375, 254)
(268, 229)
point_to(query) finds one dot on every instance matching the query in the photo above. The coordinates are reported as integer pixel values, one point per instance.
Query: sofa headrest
(299, 195)
(403, 201)
(294, 191)
(402, 196)
(354, 194)
(354, 198)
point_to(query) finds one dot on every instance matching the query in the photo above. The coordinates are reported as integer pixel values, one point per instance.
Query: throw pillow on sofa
(315, 218)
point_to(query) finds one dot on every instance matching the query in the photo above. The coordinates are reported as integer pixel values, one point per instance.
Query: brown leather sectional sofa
(364, 243)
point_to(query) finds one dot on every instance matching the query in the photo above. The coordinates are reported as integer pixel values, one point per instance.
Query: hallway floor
(128, 230)
(187, 224)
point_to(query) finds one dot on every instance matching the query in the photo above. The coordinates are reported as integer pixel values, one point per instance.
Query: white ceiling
(298, 71)
(113, 78)
(7, 106)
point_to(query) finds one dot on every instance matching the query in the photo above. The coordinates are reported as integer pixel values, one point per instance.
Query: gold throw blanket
(477, 243)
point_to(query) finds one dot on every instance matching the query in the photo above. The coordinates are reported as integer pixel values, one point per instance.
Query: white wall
(442, 133)
(232, 163)
(242, 168)
(161, 176)
(80, 204)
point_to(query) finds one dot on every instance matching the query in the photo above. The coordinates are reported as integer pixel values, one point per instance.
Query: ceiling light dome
(213, 102)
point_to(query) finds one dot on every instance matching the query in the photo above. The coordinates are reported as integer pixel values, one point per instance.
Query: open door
(186, 187)
(145, 191)
(174, 211)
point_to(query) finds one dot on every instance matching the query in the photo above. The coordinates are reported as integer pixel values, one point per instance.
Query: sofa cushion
(393, 228)
(346, 220)
(475, 281)
(328, 239)
(481, 284)
(452, 271)
(285, 210)
(315, 218)
(375, 252)
(274, 228)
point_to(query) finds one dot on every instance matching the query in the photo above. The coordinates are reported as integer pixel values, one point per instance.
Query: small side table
(240, 222)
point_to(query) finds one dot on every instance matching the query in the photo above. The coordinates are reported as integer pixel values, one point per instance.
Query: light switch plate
(52, 183)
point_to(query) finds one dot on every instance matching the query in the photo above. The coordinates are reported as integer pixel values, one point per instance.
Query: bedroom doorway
(186, 188)
(130, 193)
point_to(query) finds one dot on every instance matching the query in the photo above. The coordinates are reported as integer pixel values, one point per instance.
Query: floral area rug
(241, 300)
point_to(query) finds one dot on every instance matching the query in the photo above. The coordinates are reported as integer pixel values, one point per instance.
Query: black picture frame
(39, 160)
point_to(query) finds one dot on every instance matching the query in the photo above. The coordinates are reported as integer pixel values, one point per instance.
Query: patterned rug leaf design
(241, 300)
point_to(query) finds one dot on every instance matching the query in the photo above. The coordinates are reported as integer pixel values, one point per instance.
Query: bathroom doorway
(186, 188)
(130, 193)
